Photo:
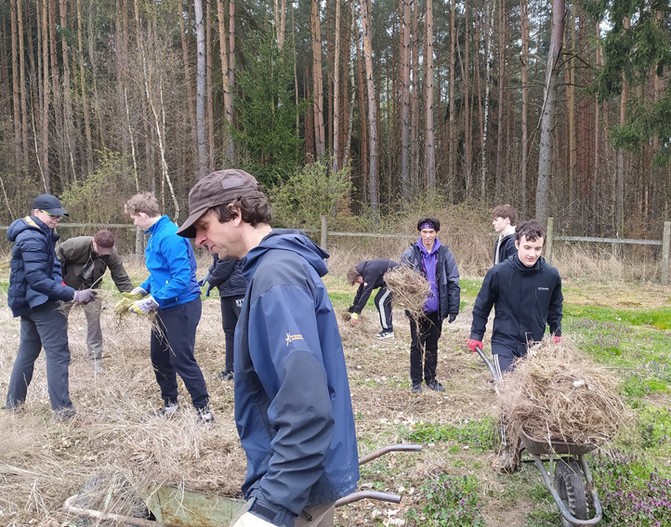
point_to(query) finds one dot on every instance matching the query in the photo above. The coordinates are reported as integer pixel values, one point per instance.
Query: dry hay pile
(410, 289)
(558, 394)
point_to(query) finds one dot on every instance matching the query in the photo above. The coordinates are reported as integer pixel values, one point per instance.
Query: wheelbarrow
(572, 486)
(170, 506)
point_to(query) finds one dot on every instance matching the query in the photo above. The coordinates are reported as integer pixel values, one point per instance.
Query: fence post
(666, 241)
(324, 228)
(548, 240)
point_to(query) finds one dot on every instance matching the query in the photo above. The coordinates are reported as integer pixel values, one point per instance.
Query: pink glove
(556, 339)
(473, 344)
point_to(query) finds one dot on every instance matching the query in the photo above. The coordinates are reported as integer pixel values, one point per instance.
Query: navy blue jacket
(35, 276)
(372, 272)
(292, 401)
(226, 275)
(527, 300)
(447, 276)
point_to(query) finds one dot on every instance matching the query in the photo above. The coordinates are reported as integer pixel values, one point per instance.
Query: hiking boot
(226, 375)
(416, 387)
(205, 415)
(435, 386)
(383, 335)
(168, 410)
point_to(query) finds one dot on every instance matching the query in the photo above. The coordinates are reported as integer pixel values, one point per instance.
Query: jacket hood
(434, 249)
(22, 224)
(287, 240)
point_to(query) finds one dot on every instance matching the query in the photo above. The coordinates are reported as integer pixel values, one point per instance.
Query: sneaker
(382, 335)
(416, 387)
(168, 410)
(226, 375)
(435, 386)
(98, 367)
(205, 415)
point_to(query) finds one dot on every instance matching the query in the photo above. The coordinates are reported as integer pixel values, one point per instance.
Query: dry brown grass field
(44, 461)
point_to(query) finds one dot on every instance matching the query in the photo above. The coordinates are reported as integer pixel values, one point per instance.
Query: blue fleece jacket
(171, 264)
(292, 400)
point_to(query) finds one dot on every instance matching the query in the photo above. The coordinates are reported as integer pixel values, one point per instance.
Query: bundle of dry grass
(558, 394)
(410, 289)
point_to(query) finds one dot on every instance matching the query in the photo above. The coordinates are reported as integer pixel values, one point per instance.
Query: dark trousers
(383, 305)
(173, 339)
(424, 345)
(45, 326)
(230, 311)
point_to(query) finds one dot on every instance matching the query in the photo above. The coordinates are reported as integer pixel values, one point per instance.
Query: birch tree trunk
(548, 112)
(200, 89)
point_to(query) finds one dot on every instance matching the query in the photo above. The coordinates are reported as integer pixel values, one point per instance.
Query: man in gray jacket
(84, 261)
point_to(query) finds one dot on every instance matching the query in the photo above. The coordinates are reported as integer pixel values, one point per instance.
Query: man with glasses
(35, 294)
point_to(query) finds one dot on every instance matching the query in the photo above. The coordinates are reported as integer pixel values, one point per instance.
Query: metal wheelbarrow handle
(489, 363)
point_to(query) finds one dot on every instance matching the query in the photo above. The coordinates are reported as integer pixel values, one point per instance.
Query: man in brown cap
(84, 261)
(292, 401)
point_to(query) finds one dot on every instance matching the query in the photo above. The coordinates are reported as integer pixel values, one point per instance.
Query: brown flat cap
(217, 188)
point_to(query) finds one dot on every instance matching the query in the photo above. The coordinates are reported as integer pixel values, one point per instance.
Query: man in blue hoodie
(436, 263)
(292, 400)
(172, 292)
(35, 294)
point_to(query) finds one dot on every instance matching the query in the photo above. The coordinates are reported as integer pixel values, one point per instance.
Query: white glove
(251, 520)
(144, 306)
(138, 291)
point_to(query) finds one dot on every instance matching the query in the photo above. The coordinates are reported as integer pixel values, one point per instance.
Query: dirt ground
(44, 461)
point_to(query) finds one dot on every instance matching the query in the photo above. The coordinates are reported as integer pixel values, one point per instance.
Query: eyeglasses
(53, 216)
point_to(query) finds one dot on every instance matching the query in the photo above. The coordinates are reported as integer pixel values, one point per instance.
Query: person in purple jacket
(293, 408)
(436, 263)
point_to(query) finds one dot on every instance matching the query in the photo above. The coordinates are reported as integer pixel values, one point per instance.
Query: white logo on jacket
(291, 338)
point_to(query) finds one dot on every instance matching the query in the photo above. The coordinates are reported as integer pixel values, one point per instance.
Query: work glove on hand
(354, 319)
(251, 520)
(451, 317)
(204, 280)
(556, 339)
(85, 296)
(474, 344)
(144, 306)
(135, 294)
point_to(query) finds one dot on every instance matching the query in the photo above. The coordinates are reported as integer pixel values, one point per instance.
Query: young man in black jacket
(504, 219)
(526, 291)
(370, 275)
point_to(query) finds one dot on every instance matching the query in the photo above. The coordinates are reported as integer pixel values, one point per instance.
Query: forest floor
(43, 461)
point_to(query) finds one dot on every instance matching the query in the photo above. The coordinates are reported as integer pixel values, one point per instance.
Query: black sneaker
(384, 335)
(226, 375)
(416, 387)
(435, 386)
(205, 415)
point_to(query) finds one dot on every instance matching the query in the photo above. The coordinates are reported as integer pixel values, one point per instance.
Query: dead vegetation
(410, 289)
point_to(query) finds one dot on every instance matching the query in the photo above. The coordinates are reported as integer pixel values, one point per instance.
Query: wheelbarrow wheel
(571, 487)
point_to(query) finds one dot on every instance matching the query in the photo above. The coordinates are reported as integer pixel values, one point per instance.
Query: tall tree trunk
(429, 134)
(188, 80)
(620, 166)
(83, 92)
(524, 162)
(548, 112)
(43, 153)
(16, 90)
(223, 56)
(373, 175)
(200, 89)
(452, 140)
(336, 127)
(415, 147)
(68, 118)
(569, 76)
(500, 183)
(280, 17)
(209, 89)
(466, 76)
(317, 80)
(363, 123)
(404, 35)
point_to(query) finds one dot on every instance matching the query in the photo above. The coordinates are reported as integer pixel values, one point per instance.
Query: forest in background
(561, 108)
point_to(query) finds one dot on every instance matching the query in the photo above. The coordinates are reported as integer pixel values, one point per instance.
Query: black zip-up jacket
(372, 272)
(506, 248)
(226, 275)
(447, 277)
(527, 300)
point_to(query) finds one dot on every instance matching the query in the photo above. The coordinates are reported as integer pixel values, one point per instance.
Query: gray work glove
(85, 296)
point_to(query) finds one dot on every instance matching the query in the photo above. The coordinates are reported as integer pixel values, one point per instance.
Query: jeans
(45, 326)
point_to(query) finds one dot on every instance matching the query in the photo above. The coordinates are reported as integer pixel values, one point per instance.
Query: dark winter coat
(447, 275)
(35, 277)
(527, 300)
(505, 248)
(82, 267)
(226, 275)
